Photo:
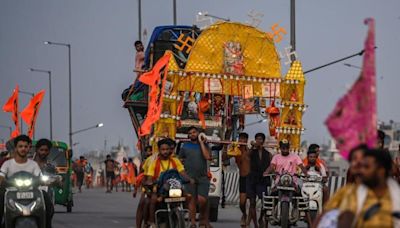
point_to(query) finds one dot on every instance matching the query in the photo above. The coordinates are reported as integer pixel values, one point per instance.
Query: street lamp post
(50, 93)
(174, 11)
(293, 28)
(213, 16)
(26, 93)
(140, 18)
(85, 129)
(69, 83)
(9, 128)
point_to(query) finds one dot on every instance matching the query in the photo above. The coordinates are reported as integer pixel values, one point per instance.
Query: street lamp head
(47, 42)
(100, 125)
(31, 69)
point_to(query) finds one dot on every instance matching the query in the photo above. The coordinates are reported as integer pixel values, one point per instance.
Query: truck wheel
(69, 207)
(213, 214)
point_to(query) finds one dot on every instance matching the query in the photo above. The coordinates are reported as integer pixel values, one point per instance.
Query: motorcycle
(313, 190)
(24, 202)
(285, 205)
(171, 198)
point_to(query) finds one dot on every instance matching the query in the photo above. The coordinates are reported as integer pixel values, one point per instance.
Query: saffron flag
(354, 119)
(155, 79)
(12, 106)
(31, 111)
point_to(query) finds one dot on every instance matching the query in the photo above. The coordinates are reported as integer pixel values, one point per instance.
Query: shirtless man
(110, 176)
(243, 163)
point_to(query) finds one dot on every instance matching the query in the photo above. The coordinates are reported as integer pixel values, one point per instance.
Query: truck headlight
(212, 188)
(175, 193)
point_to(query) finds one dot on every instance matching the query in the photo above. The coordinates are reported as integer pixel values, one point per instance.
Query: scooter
(24, 204)
(313, 190)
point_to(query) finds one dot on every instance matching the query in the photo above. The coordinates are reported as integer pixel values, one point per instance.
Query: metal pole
(140, 18)
(70, 95)
(336, 61)
(293, 28)
(51, 108)
(174, 8)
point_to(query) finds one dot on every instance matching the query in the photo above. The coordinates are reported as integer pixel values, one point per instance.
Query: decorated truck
(214, 79)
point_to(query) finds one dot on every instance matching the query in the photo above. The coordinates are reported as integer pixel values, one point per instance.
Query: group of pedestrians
(257, 165)
(120, 174)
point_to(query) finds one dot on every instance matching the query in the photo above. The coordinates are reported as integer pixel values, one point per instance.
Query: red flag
(157, 84)
(12, 106)
(29, 114)
(354, 119)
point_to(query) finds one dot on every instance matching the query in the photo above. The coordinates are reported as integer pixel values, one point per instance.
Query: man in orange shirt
(320, 162)
(124, 174)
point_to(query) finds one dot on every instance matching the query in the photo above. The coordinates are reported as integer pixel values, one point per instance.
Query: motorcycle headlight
(286, 180)
(45, 178)
(175, 193)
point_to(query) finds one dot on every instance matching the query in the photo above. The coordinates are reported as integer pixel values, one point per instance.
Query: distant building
(392, 139)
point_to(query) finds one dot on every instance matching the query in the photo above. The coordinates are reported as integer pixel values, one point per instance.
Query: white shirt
(11, 167)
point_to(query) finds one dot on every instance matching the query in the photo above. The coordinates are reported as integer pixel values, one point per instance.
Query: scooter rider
(19, 163)
(313, 165)
(43, 147)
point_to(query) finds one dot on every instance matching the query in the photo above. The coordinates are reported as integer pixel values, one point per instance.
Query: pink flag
(353, 121)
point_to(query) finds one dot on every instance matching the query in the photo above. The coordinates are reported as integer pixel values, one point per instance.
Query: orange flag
(29, 114)
(12, 106)
(155, 79)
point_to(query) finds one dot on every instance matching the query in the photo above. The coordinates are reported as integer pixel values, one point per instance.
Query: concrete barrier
(232, 186)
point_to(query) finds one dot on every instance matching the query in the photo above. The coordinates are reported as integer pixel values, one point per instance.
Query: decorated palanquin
(231, 70)
(292, 106)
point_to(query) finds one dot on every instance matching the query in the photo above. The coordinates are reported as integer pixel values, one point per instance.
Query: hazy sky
(102, 34)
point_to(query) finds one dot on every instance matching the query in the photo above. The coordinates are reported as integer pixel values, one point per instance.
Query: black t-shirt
(258, 166)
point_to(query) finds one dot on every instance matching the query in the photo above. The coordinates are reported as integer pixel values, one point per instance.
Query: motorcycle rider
(19, 163)
(163, 163)
(286, 162)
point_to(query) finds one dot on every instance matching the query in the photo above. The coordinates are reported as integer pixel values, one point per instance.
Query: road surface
(94, 209)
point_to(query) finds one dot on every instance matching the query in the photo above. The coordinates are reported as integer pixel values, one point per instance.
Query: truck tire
(213, 214)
